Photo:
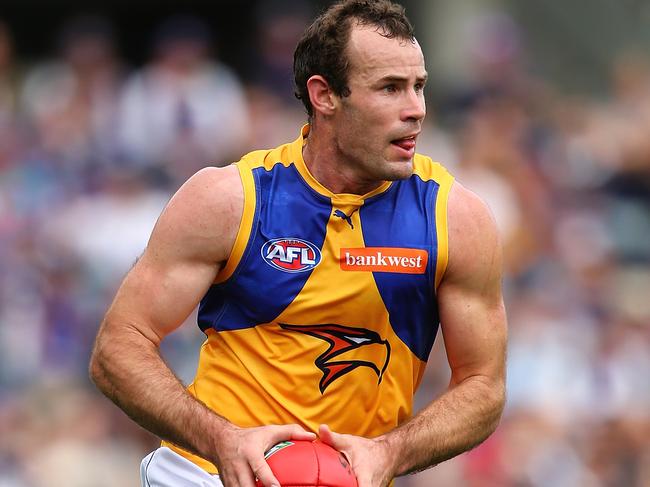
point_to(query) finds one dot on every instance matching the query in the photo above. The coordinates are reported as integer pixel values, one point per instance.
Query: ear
(320, 95)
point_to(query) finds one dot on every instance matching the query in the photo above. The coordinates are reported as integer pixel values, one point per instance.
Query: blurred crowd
(91, 150)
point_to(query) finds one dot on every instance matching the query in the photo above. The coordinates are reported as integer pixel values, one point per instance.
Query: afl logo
(291, 254)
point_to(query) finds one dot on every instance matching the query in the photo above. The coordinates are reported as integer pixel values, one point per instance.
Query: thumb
(335, 440)
(329, 437)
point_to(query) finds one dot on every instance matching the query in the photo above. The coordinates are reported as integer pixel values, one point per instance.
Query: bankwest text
(384, 259)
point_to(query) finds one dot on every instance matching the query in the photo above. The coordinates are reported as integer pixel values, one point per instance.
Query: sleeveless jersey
(326, 310)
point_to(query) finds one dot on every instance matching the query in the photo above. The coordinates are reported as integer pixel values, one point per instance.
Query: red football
(309, 464)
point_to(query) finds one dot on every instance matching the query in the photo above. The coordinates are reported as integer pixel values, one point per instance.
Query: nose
(415, 107)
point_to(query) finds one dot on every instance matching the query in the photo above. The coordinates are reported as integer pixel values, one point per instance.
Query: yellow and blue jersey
(326, 310)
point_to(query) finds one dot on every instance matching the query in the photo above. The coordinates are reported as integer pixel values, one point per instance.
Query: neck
(329, 167)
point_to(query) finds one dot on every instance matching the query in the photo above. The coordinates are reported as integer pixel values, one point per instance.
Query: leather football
(309, 464)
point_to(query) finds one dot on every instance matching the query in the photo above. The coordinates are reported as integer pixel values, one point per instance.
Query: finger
(263, 472)
(290, 432)
(244, 476)
(299, 433)
(232, 477)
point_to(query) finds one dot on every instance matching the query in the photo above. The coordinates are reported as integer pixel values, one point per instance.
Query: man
(323, 268)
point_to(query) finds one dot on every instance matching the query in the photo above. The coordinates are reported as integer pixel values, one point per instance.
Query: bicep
(189, 243)
(472, 313)
(474, 331)
(156, 297)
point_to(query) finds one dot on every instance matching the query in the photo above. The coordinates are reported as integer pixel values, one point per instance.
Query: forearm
(464, 416)
(127, 367)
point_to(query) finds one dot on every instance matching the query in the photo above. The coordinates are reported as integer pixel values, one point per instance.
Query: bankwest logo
(385, 259)
(291, 254)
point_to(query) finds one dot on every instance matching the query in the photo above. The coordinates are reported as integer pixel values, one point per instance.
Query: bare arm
(473, 323)
(190, 242)
(156, 296)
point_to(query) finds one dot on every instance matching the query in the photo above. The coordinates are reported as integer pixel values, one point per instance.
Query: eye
(390, 88)
(419, 87)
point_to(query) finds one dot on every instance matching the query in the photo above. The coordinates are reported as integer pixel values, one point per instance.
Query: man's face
(377, 124)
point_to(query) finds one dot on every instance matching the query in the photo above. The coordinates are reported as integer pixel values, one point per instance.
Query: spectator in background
(10, 135)
(279, 26)
(70, 102)
(57, 434)
(8, 98)
(495, 164)
(273, 108)
(66, 113)
(185, 109)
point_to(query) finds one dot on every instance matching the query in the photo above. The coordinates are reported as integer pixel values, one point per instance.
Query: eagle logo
(348, 349)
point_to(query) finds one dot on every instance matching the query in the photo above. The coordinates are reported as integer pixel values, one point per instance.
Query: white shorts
(166, 468)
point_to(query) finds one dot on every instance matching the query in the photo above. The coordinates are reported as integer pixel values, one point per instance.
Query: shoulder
(209, 190)
(474, 244)
(203, 216)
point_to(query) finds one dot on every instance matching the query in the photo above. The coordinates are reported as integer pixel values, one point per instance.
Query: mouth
(406, 144)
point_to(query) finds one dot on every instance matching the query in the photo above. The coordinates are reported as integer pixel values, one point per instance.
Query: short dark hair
(322, 47)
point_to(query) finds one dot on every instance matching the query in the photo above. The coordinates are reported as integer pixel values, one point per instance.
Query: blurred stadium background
(543, 108)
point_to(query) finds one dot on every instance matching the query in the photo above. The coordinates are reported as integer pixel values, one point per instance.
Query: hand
(240, 456)
(370, 458)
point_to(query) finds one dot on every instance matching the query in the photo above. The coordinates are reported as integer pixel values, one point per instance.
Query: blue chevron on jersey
(287, 209)
(404, 218)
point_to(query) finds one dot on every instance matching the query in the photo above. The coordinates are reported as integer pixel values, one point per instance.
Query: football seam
(318, 482)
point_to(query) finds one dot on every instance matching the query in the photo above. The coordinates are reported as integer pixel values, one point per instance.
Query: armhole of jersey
(446, 180)
(245, 225)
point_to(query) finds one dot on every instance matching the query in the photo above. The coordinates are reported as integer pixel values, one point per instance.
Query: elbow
(496, 401)
(100, 371)
(96, 370)
(94, 366)
(498, 396)
(490, 396)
